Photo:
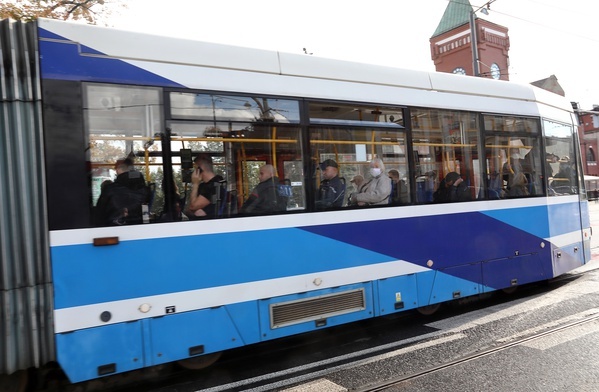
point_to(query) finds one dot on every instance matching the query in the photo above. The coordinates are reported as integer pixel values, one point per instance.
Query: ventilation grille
(295, 312)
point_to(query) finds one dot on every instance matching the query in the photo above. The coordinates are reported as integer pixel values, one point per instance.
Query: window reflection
(445, 142)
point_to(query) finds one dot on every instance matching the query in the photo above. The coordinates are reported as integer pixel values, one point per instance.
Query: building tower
(452, 48)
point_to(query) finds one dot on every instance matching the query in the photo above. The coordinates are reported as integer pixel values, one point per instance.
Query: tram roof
(135, 46)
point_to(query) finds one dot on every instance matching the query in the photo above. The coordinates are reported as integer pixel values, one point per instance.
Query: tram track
(395, 382)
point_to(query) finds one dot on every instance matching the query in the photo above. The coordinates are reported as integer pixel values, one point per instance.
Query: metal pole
(474, 45)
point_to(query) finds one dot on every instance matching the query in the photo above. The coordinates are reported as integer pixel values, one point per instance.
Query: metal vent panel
(294, 312)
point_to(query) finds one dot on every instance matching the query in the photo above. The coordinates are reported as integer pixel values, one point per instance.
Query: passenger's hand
(458, 182)
(199, 212)
(195, 177)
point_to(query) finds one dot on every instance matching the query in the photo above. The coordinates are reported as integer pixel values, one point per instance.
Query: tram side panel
(149, 301)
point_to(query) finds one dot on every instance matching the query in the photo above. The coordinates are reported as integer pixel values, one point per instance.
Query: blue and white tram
(171, 287)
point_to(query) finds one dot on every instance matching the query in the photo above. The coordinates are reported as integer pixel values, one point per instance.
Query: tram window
(521, 125)
(120, 122)
(335, 113)
(213, 107)
(352, 149)
(560, 166)
(243, 134)
(444, 142)
(512, 147)
(239, 150)
(514, 165)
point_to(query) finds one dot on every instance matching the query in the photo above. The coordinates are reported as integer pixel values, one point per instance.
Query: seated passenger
(207, 189)
(376, 190)
(265, 197)
(120, 201)
(519, 186)
(565, 177)
(358, 180)
(399, 189)
(452, 188)
(332, 190)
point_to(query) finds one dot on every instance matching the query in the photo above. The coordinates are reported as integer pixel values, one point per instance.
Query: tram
(102, 297)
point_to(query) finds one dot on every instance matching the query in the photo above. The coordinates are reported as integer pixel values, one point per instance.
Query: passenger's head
(451, 177)
(329, 169)
(105, 183)
(204, 163)
(266, 173)
(357, 180)
(377, 167)
(123, 165)
(394, 175)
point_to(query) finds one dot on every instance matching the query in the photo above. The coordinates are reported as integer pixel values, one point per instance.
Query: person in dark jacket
(265, 197)
(451, 189)
(121, 202)
(332, 190)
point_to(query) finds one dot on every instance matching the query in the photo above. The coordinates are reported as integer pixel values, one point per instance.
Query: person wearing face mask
(377, 189)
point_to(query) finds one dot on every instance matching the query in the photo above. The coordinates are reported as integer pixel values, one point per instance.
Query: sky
(547, 37)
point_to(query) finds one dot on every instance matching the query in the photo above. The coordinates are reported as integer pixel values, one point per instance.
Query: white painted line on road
(547, 326)
(515, 308)
(321, 385)
(563, 336)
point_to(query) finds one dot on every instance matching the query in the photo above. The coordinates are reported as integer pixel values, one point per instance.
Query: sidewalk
(594, 217)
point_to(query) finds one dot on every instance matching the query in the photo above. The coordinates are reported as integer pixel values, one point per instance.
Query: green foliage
(90, 11)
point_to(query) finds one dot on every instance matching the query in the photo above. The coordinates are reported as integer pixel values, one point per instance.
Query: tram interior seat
(285, 193)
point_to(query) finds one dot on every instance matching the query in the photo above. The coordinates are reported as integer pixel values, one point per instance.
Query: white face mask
(375, 171)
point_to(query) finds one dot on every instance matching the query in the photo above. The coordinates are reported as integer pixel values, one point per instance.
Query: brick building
(452, 49)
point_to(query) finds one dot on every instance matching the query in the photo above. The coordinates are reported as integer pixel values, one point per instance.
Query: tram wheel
(201, 362)
(428, 310)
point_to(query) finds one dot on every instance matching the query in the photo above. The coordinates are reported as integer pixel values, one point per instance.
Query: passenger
(265, 197)
(375, 191)
(519, 186)
(565, 176)
(179, 204)
(358, 180)
(496, 186)
(399, 189)
(104, 184)
(452, 188)
(332, 190)
(206, 189)
(121, 202)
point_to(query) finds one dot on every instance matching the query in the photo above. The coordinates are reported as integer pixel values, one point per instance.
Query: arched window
(591, 155)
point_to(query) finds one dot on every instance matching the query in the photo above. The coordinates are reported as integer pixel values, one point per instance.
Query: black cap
(328, 162)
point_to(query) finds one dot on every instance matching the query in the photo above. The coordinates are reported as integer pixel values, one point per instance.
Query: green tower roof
(456, 14)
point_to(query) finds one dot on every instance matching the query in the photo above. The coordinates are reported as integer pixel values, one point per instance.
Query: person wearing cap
(378, 188)
(332, 189)
(452, 188)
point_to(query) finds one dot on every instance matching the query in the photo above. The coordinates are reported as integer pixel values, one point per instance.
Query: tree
(28, 10)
